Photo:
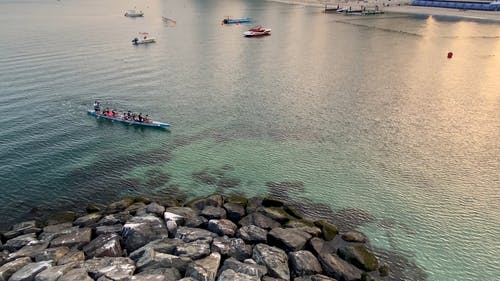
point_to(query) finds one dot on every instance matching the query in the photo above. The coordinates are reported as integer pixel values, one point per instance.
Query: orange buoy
(450, 55)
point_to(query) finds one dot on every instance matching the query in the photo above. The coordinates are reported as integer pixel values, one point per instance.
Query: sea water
(361, 120)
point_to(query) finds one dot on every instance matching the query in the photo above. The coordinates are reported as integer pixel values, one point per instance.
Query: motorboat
(134, 13)
(143, 38)
(257, 31)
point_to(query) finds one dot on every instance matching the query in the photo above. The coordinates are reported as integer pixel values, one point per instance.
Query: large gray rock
(231, 275)
(164, 245)
(155, 208)
(318, 246)
(194, 250)
(77, 238)
(339, 269)
(152, 259)
(120, 205)
(10, 268)
(211, 212)
(197, 222)
(204, 269)
(303, 226)
(53, 231)
(106, 245)
(113, 219)
(79, 274)
(232, 247)
(276, 213)
(29, 271)
(159, 274)
(22, 228)
(184, 212)
(18, 242)
(72, 257)
(259, 220)
(317, 277)
(54, 254)
(87, 220)
(53, 273)
(275, 259)
(28, 251)
(303, 263)
(118, 269)
(288, 239)
(108, 229)
(212, 200)
(188, 234)
(359, 256)
(254, 270)
(222, 227)
(234, 211)
(354, 236)
(252, 234)
(138, 231)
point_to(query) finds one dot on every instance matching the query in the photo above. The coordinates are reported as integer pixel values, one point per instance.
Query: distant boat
(168, 21)
(129, 122)
(229, 20)
(134, 13)
(143, 39)
(257, 31)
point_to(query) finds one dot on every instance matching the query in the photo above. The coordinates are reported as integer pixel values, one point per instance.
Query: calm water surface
(363, 119)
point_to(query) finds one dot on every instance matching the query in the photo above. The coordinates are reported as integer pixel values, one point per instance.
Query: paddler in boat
(97, 107)
(140, 117)
(147, 119)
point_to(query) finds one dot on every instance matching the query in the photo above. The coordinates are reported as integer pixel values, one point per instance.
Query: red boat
(257, 31)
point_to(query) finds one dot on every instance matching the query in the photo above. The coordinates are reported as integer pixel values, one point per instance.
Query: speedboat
(143, 39)
(257, 31)
(134, 13)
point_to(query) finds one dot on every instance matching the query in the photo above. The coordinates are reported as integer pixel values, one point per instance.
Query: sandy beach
(402, 7)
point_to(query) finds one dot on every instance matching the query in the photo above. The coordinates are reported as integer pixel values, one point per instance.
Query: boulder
(164, 245)
(288, 239)
(318, 246)
(12, 267)
(119, 205)
(53, 273)
(137, 209)
(339, 269)
(359, 256)
(222, 227)
(108, 229)
(231, 275)
(252, 234)
(196, 222)
(155, 208)
(277, 214)
(77, 238)
(105, 245)
(159, 274)
(243, 201)
(28, 251)
(234, 211)
(354, 236)
(249, 269)
(30, 270)
(18, 242)
(138, 231)
(87, 220)
(204, 269)
(317, 277)
(194, 250)
(113, 219)
(293, 212)
(54, 254)
(188, 234)
(275, 259)
(303, 263)
(211, 212)
(72, 257)
(118, 269)
(212, 200)
(53, 231)
(259, 220)
(93, 208)
(79, 274)
(232, 247)
(22, 228)
(152, 259)
(181, 214)
(328, 230)
(305, 226)
(61, 217)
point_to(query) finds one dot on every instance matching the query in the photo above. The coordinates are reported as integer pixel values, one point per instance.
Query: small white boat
(134, 13)
(257, 31)
(143, 39)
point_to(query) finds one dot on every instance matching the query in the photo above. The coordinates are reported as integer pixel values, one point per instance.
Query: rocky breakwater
(212, 238)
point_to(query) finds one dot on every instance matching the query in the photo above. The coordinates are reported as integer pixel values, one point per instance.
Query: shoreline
(206, 239)
(403, 7)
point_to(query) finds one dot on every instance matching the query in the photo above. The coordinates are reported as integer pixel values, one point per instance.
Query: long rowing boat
(143, 124)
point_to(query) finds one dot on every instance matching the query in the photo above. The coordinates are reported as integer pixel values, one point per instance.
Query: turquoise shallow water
(360, 120)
